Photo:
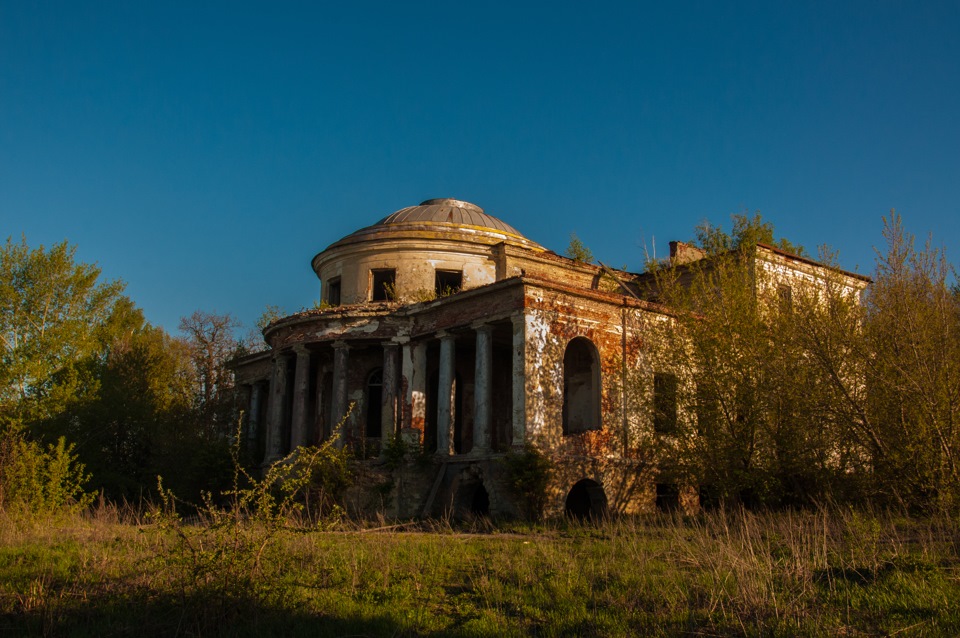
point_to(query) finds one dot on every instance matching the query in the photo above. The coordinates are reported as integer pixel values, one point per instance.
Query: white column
(340, 360)
(301, 381)
(414, 383)
(445, 391)
(482, 390)
(519, 374)
(388, 410)
(275, 409)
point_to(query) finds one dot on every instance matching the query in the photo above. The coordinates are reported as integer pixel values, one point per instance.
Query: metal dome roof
(453, 211)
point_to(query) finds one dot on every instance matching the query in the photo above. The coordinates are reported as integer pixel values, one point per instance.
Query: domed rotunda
(444, 340)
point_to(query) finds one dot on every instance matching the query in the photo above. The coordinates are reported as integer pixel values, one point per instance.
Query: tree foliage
(38, 479)
(86, 381)
(912, 332)
(752, 430)
(824, 393)
(54, 314)
(211, 345)
(894, 365)
(578, 251)
(747, 232)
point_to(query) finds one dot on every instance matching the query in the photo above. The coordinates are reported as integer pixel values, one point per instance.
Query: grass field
(838, 573)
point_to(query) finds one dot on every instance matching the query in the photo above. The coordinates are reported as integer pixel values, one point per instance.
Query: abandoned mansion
(444, 332)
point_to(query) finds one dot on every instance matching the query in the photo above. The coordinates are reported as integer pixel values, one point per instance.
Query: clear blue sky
(204, 152)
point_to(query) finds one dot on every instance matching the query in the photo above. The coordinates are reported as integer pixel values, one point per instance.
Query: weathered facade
(445, 328)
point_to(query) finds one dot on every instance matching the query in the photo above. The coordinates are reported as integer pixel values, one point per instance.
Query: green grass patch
(780, 574)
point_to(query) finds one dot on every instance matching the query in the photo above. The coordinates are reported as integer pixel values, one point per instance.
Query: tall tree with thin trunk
(212, 344)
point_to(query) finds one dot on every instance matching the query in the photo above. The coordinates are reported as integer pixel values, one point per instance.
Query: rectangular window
(785, 297)
(384, 282)
(707, 410)
(665, 403)
(448, 282)
(333, 291)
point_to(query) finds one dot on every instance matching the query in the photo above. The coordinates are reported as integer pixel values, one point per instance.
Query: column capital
(340, 345)
(300, 349)
(482, 326)
(444, 334)
(390, 343)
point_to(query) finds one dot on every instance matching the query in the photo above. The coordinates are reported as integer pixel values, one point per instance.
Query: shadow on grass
(150, 614)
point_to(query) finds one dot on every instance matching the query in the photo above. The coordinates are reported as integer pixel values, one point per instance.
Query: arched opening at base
(586, 500)
(472, 500)
(668, 497)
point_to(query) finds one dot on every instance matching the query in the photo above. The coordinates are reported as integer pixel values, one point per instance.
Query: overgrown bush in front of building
(221, 559)
(528, 475)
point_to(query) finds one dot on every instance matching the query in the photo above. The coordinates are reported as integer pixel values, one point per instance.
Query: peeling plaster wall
(534, 303)
(619, 456)
(774, 268)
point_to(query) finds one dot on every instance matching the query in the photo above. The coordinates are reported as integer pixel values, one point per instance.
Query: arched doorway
(586, 500)
(471, 500)
(581, 386)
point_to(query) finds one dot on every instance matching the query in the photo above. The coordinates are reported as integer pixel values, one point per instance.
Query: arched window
(581, 387)
(374, 403)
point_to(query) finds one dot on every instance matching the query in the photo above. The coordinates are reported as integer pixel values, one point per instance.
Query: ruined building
(443, 327)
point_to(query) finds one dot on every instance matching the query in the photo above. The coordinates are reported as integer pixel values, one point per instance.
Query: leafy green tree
(55, 316)
(577, 251)
(750, 400)
(54, 313)
(893, 363)
(747, 232)
(86, 380)
(912, 329)
(140, 421)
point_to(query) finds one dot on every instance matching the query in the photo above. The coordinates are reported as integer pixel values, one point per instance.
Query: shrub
(38, 479)
(528, 475)
(221, 560)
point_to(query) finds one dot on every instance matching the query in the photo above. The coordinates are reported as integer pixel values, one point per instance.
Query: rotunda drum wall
(405, 275)
(415, 254)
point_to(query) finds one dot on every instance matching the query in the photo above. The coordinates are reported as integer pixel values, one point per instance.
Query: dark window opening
(707, 410)
(665, 403)
(384, 284)
(333, 292)
(581, 387)
(668, 497)
(448, 282)
(785, 296)
(709, 496)
(374, 403)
